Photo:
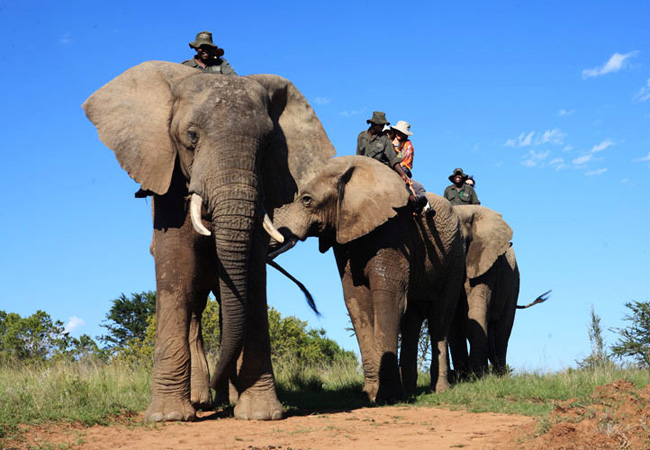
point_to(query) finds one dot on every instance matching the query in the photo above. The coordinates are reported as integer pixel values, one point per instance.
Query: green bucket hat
(205, 38)
(378, 118)
(457, 171)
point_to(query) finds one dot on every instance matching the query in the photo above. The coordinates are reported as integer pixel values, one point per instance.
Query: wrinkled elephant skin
(486, 309)
(395, 269)
(239, 146)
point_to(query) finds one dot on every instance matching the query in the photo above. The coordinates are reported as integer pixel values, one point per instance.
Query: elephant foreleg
(361, 310)
(388, 306)
(477, 318)
(408, 356)
(176, 266)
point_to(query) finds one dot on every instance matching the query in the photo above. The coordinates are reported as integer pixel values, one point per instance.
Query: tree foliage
(635, 339)
(38, 338)
(290, 339)
(128, 319)
(131, 335)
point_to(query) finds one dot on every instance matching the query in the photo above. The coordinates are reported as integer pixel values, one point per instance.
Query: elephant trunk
(230, 185)
(234, 226)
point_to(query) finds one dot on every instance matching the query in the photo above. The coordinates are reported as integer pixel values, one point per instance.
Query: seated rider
(208, 56)
(375, 144)
(460, 193)
(404, 148)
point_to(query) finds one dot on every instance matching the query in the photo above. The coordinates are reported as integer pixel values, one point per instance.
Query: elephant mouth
(276, 248)
(196, 202)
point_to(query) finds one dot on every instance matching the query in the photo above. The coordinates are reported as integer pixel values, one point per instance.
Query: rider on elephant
(374, 143)
(460, 193)
(208, 56)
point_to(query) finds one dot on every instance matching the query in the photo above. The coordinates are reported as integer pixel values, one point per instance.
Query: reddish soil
(618, 419)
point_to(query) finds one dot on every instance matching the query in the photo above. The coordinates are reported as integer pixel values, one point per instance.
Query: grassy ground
(93, 393)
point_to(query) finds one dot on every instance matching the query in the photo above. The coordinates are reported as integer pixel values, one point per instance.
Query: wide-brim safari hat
(205, 38)
(457, 171)
(403, 127)
(378, 118)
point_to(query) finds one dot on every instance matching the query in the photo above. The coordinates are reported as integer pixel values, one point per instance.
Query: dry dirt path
(361, 429)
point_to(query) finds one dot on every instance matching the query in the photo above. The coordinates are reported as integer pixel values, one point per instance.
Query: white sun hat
(402, 126)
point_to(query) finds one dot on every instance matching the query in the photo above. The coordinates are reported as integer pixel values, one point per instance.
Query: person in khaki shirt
(460, 193)
(208, 56)
(374, 143)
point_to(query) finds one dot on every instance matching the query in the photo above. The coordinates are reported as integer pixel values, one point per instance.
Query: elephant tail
(541, 299)
(308, 296)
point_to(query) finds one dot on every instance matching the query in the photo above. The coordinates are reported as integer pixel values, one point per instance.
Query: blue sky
(546, 104)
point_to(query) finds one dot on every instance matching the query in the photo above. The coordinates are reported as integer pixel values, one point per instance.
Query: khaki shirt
(465, 196)
(222, 67)
(378, 147)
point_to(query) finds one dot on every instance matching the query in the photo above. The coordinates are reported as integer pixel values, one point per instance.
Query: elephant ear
(487, 234)
(369, 193)
(299, 146)
(132, 115)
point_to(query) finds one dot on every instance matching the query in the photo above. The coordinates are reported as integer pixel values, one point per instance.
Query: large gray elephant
(487, 306)
(395, 268)
(238, 147)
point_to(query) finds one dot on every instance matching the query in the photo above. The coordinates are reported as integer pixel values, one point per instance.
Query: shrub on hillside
(635, 339)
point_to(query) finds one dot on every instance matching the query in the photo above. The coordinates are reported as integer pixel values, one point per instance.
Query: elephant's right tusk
(270, 228)
(196, 203)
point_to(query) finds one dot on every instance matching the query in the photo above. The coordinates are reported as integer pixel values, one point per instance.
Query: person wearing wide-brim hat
(374, 143)
(208, 56)
(403, 145)
(459, 193)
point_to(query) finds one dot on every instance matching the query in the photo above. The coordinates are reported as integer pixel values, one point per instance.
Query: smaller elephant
(396, 269)
(486, 309)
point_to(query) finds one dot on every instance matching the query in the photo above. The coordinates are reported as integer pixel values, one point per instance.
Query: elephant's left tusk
(195, 212)
(270, 228)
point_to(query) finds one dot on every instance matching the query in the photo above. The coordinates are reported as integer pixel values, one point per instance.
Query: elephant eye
(193, 136)
(306, 200)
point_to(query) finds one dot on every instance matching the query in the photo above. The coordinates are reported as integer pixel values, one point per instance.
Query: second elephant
(395, 269)
(487, 306)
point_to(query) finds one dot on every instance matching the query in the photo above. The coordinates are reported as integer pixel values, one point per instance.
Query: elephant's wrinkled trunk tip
(196, 203)
(287, 246)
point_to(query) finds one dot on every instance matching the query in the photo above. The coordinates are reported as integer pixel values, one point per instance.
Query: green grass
(88, 393)
(531, 394)
(96, 393)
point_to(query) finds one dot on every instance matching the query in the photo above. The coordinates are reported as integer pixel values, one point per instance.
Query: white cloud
(322, 100)
(534, 158)
(644, 93)
(589, 156)
(557, 163)
(580, 160)
(602, 146)
(555, 137)
(617, 62)
(592, 173)
(568, 148)
(353, 113)
(564, 112)
(644, 159)
(73, 324)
